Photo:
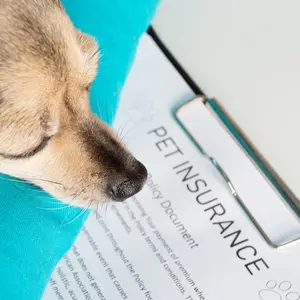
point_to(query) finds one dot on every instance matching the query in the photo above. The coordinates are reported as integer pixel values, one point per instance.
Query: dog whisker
(51, 200)
(25, 188)
(95, 53)
(70, 210)
(53, 208)
(106, 208)
(82, 212)
(99, 109)
(101, 208)
(128, 131)
(121, 128)
(28, 186)
(106, 109)
(71, 207)
(44, 180)
(13, 179)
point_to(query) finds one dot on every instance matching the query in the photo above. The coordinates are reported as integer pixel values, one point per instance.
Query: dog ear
(90, 50)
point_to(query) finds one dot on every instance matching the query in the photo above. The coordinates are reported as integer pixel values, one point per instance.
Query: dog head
(48, 133)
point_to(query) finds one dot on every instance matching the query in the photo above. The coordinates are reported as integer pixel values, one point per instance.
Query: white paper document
(170, 242)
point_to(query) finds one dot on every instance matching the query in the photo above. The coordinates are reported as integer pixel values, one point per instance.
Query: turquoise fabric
(35, 229)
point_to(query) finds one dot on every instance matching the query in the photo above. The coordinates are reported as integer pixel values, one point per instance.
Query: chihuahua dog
(48, 133)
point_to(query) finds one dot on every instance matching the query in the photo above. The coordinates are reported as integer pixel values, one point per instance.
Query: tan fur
(46, 68)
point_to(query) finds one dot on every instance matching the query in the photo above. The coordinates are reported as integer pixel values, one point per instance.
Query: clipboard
(264, 202)
(283, 194)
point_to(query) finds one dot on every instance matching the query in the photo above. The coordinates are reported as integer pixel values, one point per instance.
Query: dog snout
(128, 185)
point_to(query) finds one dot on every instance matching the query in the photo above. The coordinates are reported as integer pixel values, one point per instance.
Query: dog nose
(128, 186)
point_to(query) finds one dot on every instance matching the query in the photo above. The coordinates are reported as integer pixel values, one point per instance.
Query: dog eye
(30, 152)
